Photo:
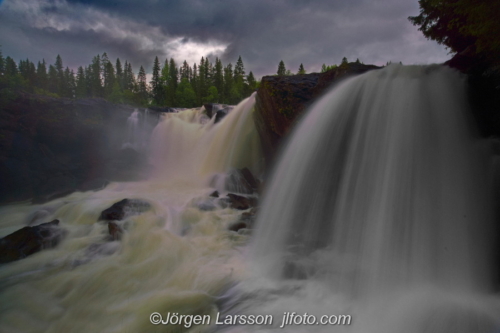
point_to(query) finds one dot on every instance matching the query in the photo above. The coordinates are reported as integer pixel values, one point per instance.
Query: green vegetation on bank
(468, 26)
(170, 85)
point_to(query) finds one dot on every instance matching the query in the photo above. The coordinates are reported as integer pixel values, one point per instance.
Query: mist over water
(380, 207)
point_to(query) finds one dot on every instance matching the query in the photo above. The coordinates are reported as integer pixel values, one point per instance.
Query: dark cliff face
(54, 146)
(282, 99)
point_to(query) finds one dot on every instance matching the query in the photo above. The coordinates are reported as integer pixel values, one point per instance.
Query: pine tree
(194, 81)
(173, 78)
(240, 85)
(219, 77)
(142, 87)
(41, 75)
(301, 69)
(228, 83)
(108, 74)
(239, 69)
(119, 73)
(156, 86)
(95, 77)
(165, 72)
(202, 78)
(81, 84)
(70, 84)
(60, 75)
(252, 84)
(281, 68)
(53, 80)
(184, 71)
(2, 64)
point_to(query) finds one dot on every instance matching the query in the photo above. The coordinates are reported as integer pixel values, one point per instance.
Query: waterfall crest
(188, 144)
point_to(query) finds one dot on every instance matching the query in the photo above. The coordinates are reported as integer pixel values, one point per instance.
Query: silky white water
(177, 257)
(380, 208)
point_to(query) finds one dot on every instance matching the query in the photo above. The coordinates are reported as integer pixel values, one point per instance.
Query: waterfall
(178, 255)
(188, 145)
(382, 198)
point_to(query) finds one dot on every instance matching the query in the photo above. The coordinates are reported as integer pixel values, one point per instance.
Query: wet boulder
(121, 209)
(219, 115)
(241, 181)
(115, 231)
(240, 202)
(246, 221)
(29, 240)
(214, 194)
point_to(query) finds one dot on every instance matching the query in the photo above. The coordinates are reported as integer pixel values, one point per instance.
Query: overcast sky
(263, 32)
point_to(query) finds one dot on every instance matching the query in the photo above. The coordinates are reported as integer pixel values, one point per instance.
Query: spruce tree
(60, 75)
(156, 86)
(95, 77)
(252, 84)
(219, 77)
(142, 87)
(41, 75)
(119, 73)
(81, 84)
(2, 63)
(301, 69)
(108, 74)
(239, 69)
(173, 77)
(228, 83)
(281, 68)
(53, 80)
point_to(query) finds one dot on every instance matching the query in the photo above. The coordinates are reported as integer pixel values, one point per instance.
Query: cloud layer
(263, 32)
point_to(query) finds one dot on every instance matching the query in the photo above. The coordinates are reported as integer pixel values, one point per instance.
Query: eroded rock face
(282, 99)
(29, 240)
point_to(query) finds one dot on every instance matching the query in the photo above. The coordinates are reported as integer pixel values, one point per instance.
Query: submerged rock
(214, 194)
(246, 221)
(115, 231)
(123, 208)
(241, 181)
(219, 115)
(29, 240)
(239, 202)
(237, 226)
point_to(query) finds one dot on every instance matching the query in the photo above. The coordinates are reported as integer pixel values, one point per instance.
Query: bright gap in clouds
(184, 49)
(147, 40)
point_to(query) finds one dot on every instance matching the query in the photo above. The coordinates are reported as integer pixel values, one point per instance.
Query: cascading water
(380, 208)
(186, 144)
(176, 254)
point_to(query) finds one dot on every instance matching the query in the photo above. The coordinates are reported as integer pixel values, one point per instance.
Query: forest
(170, 85)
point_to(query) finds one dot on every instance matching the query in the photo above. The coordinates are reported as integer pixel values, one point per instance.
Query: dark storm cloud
(263, 32)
